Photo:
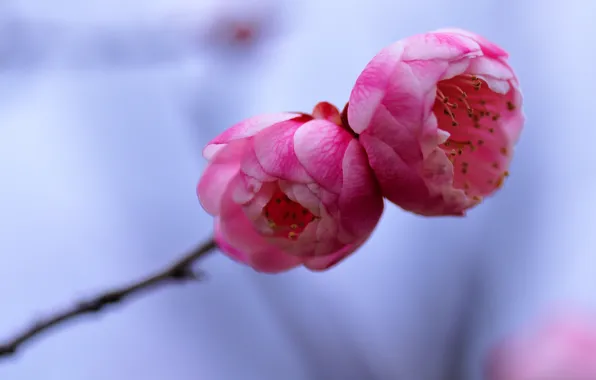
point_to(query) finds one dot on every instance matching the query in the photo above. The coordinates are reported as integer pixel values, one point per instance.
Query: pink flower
(563, 349)
(290, 189)
(438, 115)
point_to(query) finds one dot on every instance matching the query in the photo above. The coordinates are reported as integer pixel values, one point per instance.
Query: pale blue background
(104, 108)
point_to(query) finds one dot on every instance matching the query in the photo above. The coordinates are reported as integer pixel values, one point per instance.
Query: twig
(179, 271)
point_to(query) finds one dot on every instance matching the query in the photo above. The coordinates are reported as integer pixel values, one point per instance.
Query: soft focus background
(104, 108)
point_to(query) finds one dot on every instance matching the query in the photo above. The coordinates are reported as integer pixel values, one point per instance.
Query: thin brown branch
(177, 272)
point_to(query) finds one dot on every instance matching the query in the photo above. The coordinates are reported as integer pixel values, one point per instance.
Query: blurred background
(105, 106)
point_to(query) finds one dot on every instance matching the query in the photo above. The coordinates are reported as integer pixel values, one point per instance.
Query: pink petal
(400, 182)
(211, 150)
(254, 208)
(327, 262)
(242, 241)
(320, 147)
(327, 230)
(275, 152)
(215, 178)
(439, 46)
(225, 247)
(456, 68)
(488, 48)
(301, 193)
(251, 166)
(360, 200)
(486, 66)
(398, 124)
(247, 128)
(390, 105)
(326, 197)
(327, 111)
(438, 175)
(245, 192)
(218, 174)
(273, 261)
(371, 86)
(322, 263)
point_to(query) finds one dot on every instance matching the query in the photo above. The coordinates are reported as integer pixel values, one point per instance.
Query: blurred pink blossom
(289, 189)
(438, 115)
(236, 31)
(238, 24)
(562, 349)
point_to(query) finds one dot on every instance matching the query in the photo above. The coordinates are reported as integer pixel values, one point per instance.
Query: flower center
(451, 96)
(470, 112)
(285, 217)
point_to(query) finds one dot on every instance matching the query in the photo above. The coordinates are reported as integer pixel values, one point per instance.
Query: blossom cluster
(430, 126)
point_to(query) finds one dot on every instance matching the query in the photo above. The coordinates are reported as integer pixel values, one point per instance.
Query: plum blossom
(290, 189)
(438, 115)
(559, 349)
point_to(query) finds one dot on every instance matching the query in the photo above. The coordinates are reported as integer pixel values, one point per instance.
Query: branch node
(182, 273)
(109, 298)
(8, 350)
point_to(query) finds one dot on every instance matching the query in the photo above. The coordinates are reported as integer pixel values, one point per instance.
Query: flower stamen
(447, 107)
(285, 217)
(472, 80)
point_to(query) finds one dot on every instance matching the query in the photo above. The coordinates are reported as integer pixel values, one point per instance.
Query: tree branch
(177, 272)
